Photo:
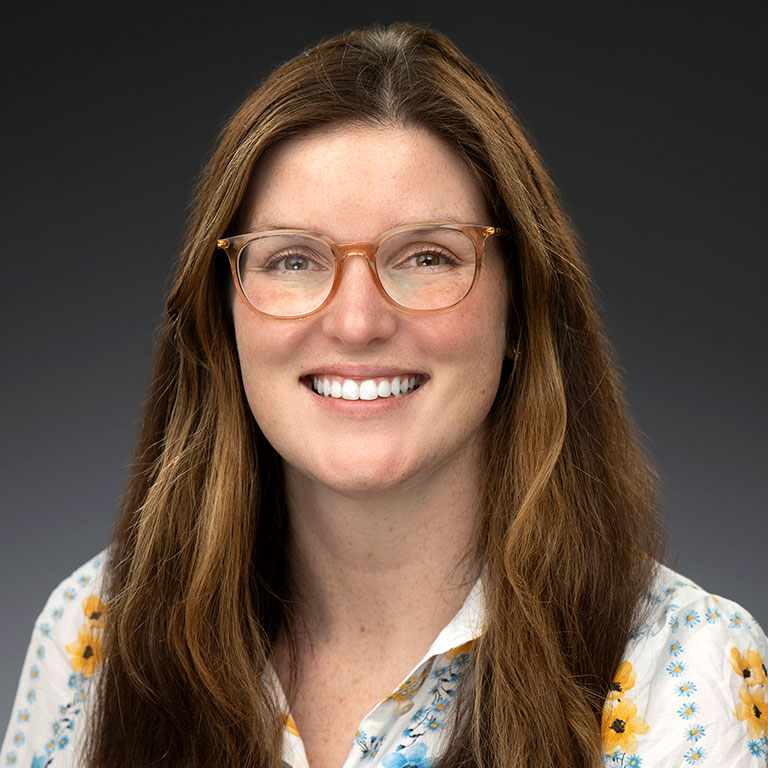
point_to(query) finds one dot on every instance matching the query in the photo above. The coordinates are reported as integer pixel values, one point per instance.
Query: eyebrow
(270, 225)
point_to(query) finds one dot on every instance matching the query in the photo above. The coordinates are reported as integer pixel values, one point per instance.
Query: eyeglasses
(421, 269)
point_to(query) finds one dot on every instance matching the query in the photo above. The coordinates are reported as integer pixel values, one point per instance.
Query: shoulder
(692, 685)
(64, 652)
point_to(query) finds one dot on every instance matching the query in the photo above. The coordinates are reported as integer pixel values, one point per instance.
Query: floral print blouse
(692, 688)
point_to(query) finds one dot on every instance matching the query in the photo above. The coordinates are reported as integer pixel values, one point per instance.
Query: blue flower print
(696, 733)
(34, 673)
(367, 750)
(63, 741)
(418, 714)
(70, 594)
(687, 711)
(634, 761)
(675, 649)
(735, 622)
(50, 745)
(23, 715)
(439, 672)
(56, 728)
(686, 689)
(40, 652)
(669, 608)
(414, 756)
(676, 668)
(45, 630)
(31, 695)
(72, 681)
(694, 756)
(755, 749)
(83, 580)
(18, 738)
(57, 613)
(11, 759)
(433, 724)
(712, 615)
(691, 619)
(674, 623)
(440, 705)
(616, 757)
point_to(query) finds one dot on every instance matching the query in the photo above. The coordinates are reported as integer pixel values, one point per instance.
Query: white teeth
(368, 390)
(349, 389)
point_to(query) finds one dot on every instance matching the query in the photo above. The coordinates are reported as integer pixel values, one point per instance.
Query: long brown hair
(197, 581)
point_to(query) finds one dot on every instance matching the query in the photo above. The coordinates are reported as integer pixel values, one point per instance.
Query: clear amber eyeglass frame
(478, 233)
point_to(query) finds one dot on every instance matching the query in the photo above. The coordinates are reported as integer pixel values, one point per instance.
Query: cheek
(470, 342)
(262, 351)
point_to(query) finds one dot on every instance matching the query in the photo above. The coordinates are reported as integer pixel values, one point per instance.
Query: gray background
(652, 118)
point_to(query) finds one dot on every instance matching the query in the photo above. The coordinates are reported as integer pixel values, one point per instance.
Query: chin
(365, 478)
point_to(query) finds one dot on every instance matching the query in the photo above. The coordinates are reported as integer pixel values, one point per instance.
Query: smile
(369, 389)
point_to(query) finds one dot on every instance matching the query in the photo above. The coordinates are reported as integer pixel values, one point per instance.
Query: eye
(283, 261)
(424, 258)
(430, 259)
(295, 262)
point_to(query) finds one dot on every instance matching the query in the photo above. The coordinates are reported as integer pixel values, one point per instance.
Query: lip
(362, 408)
(363, 372)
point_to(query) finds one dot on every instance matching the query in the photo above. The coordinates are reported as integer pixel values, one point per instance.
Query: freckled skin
(352, 184)
(376, 503)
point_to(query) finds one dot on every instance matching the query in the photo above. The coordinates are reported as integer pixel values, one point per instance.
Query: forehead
(353, 182)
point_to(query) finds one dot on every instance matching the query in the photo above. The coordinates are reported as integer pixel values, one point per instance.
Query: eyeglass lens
(292, 274)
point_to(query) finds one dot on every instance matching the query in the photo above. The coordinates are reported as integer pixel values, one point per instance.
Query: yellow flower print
(454, 652)
(623, 680)
(289, 725)
(621, 725)
(750, 666)
(408, 688)
(94, 610)
(88, 652)
(753, 709)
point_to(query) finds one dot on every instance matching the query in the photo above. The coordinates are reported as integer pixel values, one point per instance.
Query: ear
(514, 333)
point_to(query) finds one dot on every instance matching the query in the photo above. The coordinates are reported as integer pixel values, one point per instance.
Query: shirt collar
(465, 627)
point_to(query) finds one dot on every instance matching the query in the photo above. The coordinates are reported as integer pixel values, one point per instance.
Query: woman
(386, 494)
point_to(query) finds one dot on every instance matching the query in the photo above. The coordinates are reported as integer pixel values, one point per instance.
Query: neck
(393, 564)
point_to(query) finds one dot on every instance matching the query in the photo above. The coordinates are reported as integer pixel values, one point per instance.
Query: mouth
(364, 389)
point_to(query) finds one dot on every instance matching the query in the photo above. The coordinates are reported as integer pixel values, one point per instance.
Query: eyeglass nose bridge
(368, 251)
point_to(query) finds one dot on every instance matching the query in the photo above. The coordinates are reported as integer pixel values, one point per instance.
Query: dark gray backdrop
(652, 119)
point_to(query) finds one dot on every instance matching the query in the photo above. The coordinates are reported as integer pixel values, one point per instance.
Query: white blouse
(692, 688)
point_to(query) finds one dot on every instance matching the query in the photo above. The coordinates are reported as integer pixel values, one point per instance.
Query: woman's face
(353, 183)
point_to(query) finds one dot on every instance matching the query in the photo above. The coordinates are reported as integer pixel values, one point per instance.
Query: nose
(358, 314)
